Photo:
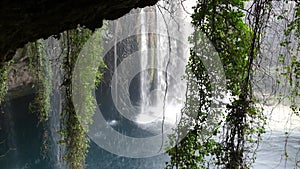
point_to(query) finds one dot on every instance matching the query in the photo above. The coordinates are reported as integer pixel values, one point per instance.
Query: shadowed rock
(29, 20)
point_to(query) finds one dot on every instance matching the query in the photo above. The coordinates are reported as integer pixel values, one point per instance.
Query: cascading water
(54, 49)
(161, 93)
(144, 60)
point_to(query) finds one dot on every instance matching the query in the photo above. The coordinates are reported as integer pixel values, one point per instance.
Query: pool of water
(21, 144)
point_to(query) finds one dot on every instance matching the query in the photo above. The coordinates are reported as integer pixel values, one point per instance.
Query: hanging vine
(41, 69)
(237, 44)
(4, 68)
(291, 72)
(77, 117)
(290, 64)
(74, 135)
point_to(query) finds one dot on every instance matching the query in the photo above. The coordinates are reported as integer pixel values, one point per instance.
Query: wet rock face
(21, 77)
(23, 21)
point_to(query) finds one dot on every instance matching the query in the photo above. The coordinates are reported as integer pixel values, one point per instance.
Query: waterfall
(145, 83)
(54, 50)
(153, 90)
(162, 89)
(116, 56)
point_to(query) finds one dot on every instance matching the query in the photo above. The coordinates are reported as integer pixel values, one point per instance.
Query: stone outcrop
(28, 20)
(21, 78)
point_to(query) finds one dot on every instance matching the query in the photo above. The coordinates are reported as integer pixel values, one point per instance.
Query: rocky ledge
(23, 21)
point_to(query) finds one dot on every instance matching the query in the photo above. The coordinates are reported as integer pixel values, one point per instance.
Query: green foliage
(192, 150)
(291, 69)
(4, 68)
(77, 117)
(41, 68)
(74, 135)
(223, 24)
(88, 77)
(290, 65)
(222, 140)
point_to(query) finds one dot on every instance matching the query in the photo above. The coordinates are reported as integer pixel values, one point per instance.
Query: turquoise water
(22, 136)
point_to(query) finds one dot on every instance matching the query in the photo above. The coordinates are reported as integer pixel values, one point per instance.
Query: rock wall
(21, 78)
(29, 20)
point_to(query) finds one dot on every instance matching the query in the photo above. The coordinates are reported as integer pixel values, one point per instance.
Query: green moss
(41, 68)
(77, 117)
(4, 68)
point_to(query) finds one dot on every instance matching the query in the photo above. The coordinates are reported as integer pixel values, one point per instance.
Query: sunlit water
(281, 144)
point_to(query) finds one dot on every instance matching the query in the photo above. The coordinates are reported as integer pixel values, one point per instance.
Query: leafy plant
(228, 144)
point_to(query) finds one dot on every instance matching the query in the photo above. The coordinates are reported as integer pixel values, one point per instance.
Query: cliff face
(20, 77)
(29, 20)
